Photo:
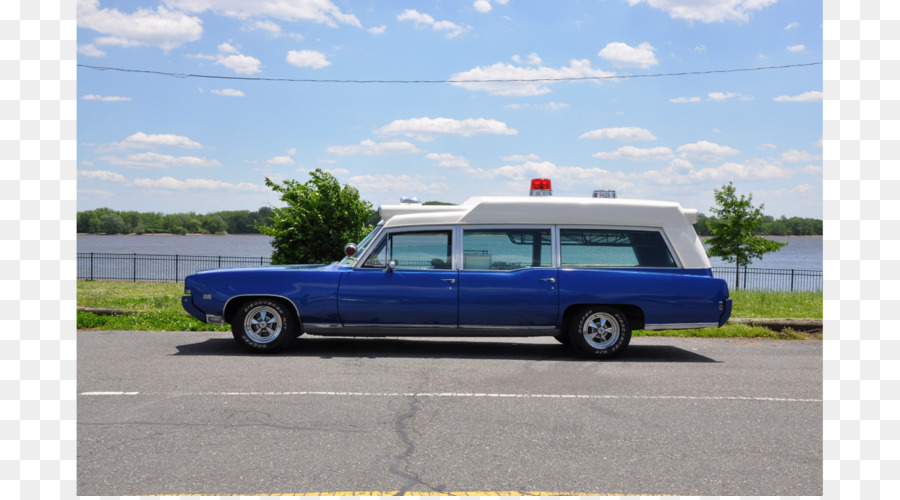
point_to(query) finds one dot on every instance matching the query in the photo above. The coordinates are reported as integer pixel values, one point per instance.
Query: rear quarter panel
(676, 296)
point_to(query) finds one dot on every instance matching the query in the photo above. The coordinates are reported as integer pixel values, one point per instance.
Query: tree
(735, 219)
(319, 219)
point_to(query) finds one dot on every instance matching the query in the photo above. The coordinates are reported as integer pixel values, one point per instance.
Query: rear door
(508, 279)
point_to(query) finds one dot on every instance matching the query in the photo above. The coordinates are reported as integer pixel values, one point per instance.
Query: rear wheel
(264, 325)
(599, 332)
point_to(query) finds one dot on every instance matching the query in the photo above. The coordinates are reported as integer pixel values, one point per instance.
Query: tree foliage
(321, 216)
(783, 226)
(733, 229)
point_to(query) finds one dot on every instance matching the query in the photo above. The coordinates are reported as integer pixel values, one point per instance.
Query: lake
(801, 252)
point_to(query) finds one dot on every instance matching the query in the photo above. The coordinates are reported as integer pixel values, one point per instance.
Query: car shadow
(346, 347)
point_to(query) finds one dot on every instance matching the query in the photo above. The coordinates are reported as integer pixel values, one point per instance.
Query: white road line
(450, 395)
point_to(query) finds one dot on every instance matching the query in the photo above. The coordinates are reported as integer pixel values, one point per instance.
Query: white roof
(542, 210)
(674, 220)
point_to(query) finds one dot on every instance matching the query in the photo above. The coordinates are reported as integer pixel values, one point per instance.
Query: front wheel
(264, 325)
(600, 332)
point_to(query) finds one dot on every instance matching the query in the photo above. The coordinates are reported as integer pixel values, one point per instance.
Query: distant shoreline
(169, 234)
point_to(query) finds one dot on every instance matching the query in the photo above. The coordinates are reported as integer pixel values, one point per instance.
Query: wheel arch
(634, 313)
(234, 303)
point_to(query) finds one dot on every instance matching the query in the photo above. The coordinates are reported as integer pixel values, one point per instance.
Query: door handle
(451, 280)
(551, 280)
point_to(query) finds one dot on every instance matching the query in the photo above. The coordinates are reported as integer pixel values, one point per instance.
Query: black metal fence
(146, 267)
(776, 280)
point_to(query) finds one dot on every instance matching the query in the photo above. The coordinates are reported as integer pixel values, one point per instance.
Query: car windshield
(361, 247)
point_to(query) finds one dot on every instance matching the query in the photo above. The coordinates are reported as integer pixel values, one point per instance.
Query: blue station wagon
(586, 271)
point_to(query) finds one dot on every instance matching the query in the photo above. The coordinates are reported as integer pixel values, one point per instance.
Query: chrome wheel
(263, 324)
(600, 330)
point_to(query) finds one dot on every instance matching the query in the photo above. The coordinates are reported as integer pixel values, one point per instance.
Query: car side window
(415, 250)
(506, 249)
(614, 248)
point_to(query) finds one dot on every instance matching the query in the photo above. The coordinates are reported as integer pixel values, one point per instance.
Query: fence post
(92, 266)
(792, 279)
(176, 268)
(134, 267)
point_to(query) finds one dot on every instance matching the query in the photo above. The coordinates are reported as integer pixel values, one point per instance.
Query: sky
(401, 98)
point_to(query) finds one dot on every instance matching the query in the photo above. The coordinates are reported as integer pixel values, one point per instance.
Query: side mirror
(350, 249)
(392, 264)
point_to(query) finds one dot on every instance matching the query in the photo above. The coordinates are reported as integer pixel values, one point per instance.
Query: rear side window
(613, 248)
(506, 249)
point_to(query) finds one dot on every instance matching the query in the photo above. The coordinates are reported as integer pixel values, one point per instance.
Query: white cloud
(795, 156)
(700, 49)
(796, 48)
(95, 97)
(532, 59)
(142, 140)
(425, 128)
(377, 30)
(232, 59)
(157, 160)
(163, 28)
(754, 169)
(624, 56)
(448, 160)
(556, 106)
(307, 59)
(791, 26)
(281, 160)
(681, 100)
(624, 134)
(90, 50)
(705, 151)
(423, 20)
(272, 29)
(521, 158)
(372, 148)
(637, 154)
(501, 71)
(390, 182)
(228, 92)
(319, 11)
(483, 6)
(724, 96)
(170, 183)
(804, 97)
(101, 175)
(707, 11)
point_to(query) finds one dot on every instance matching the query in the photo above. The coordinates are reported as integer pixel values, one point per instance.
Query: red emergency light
(541, 187)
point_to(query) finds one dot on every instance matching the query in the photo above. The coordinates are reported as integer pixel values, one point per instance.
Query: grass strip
(157, 307)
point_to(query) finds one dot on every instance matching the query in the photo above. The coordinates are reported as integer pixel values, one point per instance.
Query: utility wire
(499, 80)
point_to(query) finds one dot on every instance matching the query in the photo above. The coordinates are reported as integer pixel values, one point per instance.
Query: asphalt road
(189, 413)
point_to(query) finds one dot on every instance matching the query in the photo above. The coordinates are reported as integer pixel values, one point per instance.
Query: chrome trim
(679, 326)
(395, 325)
(214, 319)
(494, 327)
(323, 325)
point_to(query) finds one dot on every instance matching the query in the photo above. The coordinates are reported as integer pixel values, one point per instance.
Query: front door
(420, 290)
